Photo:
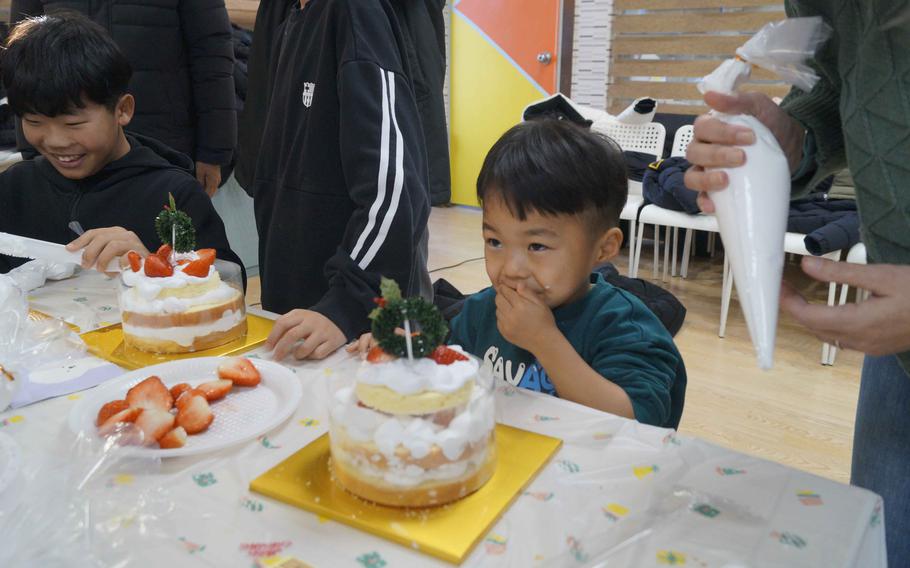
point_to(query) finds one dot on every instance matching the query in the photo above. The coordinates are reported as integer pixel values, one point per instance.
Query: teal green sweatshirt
(858, 116)
(613, 332)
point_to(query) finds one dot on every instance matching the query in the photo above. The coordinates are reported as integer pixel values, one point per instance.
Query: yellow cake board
(449, 532)
(107, 343)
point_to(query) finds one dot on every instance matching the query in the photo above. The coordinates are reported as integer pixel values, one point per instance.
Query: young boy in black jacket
(340, 186)
(67, 79)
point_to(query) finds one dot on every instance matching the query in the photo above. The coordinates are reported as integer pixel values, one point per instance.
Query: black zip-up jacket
(36, 201)
(423, 33)
(183, 67)
(341, 179)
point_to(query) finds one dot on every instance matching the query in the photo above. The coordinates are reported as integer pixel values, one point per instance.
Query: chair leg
(656, 252)
(638, 242)
(667, 239)
(827, 348)
(711, 244)
(687, 252)
(675, 246)
(844, 291)
(632, 247)
(727, 291)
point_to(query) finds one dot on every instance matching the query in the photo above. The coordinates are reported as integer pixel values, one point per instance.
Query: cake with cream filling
(175, 300)
(413, 429)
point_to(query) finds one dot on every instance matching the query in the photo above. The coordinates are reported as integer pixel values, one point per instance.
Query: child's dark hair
(556, 167)
(53, 65)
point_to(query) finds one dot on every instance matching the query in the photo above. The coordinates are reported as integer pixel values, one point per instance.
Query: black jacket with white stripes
(341, 178)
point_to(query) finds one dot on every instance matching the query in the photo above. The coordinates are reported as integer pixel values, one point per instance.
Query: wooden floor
(800, 413)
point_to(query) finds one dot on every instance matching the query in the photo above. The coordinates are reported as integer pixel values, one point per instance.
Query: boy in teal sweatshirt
(552, 193)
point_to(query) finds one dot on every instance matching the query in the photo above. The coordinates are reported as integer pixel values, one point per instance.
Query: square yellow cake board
(449, 532)
(107, 343)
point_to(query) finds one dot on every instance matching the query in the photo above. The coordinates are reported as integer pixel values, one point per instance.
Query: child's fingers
(502, 303)
(509, 295)
(528, 294)
(82, 240)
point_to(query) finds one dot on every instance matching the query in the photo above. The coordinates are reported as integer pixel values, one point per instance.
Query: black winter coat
(422, 29)
(183, 66)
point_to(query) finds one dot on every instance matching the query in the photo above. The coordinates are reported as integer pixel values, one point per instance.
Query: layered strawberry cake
(180, 300)
(412, 430)
(178, 303)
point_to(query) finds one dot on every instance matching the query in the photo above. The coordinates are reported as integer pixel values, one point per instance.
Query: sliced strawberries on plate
(157, 268)
(128, 415)
(110, 409)
(150, 393)
(179, 389)
(239, 371)
(215, 390)
(194, 413)
(154, 424)
(176, 438)
(185, 397)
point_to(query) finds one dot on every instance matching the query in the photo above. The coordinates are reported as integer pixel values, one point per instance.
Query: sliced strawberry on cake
(157, 268)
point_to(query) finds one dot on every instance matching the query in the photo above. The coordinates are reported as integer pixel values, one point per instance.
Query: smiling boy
(551, 195)
(67, 80)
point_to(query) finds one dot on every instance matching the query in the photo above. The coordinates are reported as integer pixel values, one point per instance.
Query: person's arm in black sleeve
(207, 34)
(385, 170)
(210, 231)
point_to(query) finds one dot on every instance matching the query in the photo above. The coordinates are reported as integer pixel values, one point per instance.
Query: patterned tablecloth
(618, 493)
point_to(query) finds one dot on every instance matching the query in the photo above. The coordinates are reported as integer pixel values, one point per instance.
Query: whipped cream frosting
(410, 377)
(418, 435)
(150, 295)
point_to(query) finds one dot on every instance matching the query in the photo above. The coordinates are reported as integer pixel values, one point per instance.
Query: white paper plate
(242, 415)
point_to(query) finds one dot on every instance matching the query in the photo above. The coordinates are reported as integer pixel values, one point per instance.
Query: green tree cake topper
(175, 228)
(392, 312)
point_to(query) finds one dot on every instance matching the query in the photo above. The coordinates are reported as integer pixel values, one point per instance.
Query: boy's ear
(124, 110)
(608, 245)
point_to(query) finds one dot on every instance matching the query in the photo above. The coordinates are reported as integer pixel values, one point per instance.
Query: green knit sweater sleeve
(819, 112)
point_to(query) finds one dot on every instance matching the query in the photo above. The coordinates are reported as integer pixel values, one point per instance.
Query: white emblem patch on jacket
(308, 90)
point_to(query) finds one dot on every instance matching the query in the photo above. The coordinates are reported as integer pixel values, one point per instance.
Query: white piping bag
(752, 211)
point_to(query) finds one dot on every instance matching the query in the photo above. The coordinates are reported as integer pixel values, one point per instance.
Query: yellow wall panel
(487, 95)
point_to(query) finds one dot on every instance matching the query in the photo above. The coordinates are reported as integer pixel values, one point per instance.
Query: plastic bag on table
(96, 505)
(27, 344)
(752, 211)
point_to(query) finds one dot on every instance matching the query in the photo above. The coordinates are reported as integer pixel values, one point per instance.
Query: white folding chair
(856, 255)
(659, 216)
(794, 243)
(646, 138)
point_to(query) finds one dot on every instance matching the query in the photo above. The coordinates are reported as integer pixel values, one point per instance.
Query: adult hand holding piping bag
(856, 116)
(879, 327)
